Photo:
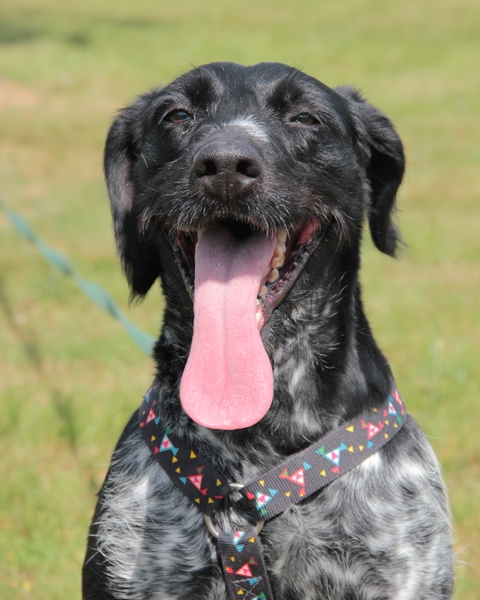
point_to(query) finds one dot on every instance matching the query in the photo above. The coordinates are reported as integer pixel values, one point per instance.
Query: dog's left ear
(385, 167)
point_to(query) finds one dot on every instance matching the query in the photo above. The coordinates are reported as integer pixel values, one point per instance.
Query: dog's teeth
(263, 291)
(274, 274)
(278, 256)
(257, 302)
(277, 262)
(258, 317)
(282, 237)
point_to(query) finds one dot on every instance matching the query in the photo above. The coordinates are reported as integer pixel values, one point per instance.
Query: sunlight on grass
(70, 377)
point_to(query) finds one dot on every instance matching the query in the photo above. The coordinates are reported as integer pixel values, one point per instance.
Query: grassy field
(70, 376)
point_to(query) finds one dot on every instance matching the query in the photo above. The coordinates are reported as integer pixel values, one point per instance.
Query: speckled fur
(380, 532)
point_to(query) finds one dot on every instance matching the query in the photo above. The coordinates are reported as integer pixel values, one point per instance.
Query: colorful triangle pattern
(237, 536)
(298, 477)
(179, 460)
(334, 455)
(391, 410)
(245, 588)
(167, 445)
(245, 570)
(151, 415)
(196, 480)
(372, 429)
(361, 436)
(263, 498)
(396, 396)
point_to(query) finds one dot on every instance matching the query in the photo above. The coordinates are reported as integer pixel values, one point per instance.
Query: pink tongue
(228, 381)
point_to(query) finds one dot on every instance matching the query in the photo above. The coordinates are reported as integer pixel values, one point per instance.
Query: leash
(294, 479)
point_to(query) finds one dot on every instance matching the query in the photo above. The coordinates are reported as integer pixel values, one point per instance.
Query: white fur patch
(373, 463)
(296, 377)
(252, 127)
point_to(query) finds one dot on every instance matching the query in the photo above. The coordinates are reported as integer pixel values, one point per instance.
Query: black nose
(227, 170)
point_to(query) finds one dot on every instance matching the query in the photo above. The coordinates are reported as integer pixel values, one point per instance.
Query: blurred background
(70, 376)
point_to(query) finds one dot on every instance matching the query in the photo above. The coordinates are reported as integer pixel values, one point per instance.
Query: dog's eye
(178, 116)
(305, 119)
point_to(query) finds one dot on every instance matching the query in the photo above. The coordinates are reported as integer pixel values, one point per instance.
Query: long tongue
(228, 381)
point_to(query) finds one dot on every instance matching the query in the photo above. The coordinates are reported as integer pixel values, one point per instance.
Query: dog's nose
(227, 170)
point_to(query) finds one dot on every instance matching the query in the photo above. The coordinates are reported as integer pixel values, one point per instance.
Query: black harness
(288, 483)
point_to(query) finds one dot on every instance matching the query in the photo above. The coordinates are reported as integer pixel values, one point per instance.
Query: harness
(294, 479)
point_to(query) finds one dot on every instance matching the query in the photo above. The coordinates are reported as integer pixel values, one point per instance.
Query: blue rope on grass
(93, 291)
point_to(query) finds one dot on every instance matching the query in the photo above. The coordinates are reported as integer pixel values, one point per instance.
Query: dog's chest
(356, 535)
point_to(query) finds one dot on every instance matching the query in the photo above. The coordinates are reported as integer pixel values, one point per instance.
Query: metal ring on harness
(208, 520)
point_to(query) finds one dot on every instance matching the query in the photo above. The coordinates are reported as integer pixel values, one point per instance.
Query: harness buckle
(208, 520)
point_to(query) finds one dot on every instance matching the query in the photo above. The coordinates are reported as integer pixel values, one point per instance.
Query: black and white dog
(245, 189)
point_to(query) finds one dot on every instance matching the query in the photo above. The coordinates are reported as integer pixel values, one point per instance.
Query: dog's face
(246, 174)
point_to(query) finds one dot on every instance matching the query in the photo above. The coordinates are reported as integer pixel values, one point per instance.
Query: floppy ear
(385, 167)
(122, 151)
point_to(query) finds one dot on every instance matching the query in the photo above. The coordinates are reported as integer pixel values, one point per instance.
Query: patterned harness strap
(297, 477)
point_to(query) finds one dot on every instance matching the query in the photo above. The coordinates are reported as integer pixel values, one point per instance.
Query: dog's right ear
(122, 150)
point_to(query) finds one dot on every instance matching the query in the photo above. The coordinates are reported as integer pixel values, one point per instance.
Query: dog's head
(247, 172)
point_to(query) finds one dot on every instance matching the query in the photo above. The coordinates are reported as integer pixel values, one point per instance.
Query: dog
(244, 190)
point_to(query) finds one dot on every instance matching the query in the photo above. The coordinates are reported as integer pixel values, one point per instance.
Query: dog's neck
(320, 377)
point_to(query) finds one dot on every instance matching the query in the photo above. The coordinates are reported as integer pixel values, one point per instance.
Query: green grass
(70, 376)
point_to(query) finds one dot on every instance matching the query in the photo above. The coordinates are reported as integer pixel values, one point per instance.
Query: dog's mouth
(291, 252)
(236, 276)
